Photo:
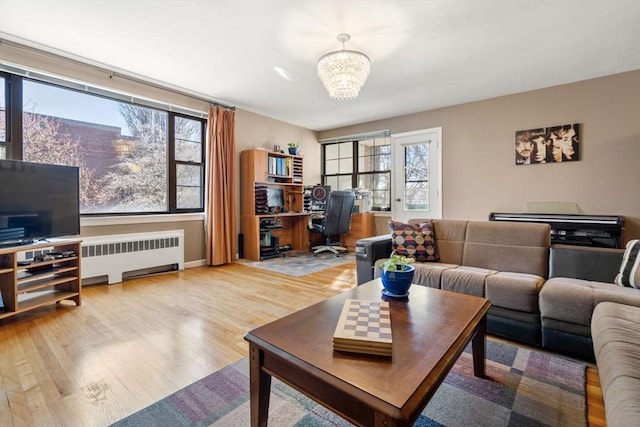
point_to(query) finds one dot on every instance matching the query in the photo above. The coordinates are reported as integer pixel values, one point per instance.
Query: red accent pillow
(414, 240)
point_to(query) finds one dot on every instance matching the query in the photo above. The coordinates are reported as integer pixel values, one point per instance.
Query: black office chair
(337, 219)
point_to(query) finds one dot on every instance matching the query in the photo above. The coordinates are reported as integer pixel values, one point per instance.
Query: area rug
(301, 263)
(525, 388)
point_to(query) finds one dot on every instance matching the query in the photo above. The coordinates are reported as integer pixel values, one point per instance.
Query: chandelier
(343, 72)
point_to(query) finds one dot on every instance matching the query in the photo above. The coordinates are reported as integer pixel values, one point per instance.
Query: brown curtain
(221, 200)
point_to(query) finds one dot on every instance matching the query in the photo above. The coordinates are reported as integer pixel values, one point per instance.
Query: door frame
(398, 141)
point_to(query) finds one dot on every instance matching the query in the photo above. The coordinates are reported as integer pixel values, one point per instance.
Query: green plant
(293, 144)
(395, 262)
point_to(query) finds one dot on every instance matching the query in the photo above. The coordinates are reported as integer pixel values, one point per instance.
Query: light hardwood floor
(133, 343)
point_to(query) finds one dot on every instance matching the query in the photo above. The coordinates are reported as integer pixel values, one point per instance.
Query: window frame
(356, 156)
(14, 144)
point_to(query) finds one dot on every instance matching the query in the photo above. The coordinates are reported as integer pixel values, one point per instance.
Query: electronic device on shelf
(604, 231)
(275, 200)
(319, 196)
(38, 201)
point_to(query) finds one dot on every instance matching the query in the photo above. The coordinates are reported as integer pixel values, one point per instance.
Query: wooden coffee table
(430, 331)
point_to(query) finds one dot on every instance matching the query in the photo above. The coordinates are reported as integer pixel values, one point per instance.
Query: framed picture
(555, 144)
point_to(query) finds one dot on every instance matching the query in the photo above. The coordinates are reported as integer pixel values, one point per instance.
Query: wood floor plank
(133, 343)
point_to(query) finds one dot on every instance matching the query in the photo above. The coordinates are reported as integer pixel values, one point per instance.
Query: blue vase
(293, 150)
(397, 283)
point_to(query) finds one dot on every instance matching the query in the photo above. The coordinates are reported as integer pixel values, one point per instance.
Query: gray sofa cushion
(516, 291)
(573, 300)
(515, 247)
(466, 280)
(616, 343)
(430, 274)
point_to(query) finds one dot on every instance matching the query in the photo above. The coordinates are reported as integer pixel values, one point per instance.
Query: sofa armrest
(369, 250)
(587, 263)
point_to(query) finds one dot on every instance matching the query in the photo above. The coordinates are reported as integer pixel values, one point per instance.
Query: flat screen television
(38, 201)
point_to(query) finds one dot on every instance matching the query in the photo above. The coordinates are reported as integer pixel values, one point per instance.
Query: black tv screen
(37, 201)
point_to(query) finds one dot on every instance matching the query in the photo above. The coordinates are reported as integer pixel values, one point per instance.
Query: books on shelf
(279, 166)
(364, 327)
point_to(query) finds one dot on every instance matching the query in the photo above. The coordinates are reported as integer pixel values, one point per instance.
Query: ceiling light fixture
(344, 72)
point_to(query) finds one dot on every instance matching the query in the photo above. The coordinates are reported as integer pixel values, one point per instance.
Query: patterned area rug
(301, 263)
(525, 388)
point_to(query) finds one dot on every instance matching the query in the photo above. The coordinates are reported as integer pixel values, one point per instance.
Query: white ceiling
(425, 54)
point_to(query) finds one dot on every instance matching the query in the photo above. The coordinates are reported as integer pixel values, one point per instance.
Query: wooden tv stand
(26, 287)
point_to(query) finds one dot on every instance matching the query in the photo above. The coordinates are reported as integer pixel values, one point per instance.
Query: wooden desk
(362, 225)
(294, 232)
(430, 331)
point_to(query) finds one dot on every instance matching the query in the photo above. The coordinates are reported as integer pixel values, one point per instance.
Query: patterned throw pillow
(414, 240)
(629, 275)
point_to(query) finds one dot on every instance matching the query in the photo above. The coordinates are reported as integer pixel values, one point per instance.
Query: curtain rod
(103, 69)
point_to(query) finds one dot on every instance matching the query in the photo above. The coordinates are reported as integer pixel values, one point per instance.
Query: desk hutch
(265, 232)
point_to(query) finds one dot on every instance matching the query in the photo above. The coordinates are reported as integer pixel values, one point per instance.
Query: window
(188, 159)
(133, 158)
(3, 117)
(360, 162)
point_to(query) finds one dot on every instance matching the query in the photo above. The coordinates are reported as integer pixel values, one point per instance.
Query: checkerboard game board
(364, 327)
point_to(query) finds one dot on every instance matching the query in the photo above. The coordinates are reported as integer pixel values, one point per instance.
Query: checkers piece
(364, 327)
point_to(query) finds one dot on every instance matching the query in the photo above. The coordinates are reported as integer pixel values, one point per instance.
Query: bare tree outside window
(416, 172)
(43, 142)
(138, 180)
(188, 149)
(122, 149)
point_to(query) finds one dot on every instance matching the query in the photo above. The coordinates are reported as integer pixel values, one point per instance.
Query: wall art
(554, 144)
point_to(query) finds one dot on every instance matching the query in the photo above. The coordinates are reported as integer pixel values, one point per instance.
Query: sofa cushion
(616, 343)
(573, 300)
(466, 280)
(629, 274)
(516, 291)
(414, 240)
(516, 247)
(430, 273)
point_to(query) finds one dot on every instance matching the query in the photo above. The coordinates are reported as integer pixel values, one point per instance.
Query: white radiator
(115, 255)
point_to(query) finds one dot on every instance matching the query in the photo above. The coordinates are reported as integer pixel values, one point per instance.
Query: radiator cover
(114, 255)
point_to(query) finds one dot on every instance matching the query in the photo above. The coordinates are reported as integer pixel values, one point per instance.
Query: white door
(417, 175)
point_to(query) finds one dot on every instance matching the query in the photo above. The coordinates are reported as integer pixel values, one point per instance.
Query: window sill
(95, 221)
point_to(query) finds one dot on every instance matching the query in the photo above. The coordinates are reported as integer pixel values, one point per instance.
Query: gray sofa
(504, 262)
(616, 340)
(541, 295)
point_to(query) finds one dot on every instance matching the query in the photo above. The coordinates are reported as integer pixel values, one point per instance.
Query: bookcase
(25, 285)
(268, 230)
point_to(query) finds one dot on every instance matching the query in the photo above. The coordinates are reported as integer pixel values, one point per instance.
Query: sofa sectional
(541, 295)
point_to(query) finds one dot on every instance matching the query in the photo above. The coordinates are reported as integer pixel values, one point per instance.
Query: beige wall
(479, 172)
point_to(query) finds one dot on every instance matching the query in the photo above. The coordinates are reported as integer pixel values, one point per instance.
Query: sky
(52, 101)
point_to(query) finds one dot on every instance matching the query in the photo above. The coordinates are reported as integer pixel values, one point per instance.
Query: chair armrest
(587, 263)
(369, 250)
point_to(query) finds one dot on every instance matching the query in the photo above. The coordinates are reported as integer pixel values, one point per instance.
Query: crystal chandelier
(343, 72)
